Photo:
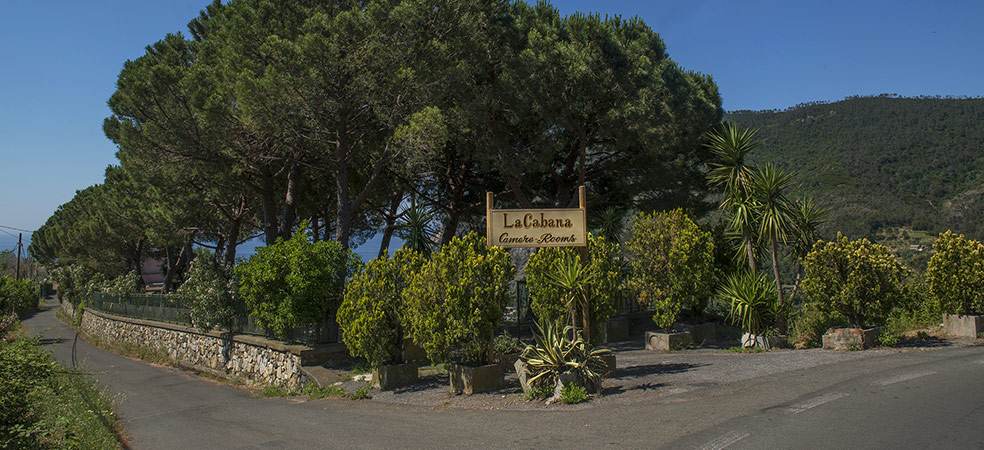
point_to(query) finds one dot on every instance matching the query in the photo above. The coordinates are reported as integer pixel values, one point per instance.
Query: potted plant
(754, 307)
(560, 357)
(455, 304)
(505, 351)
(860, 280)
(955, 276)
(672, 268)
(372, 317)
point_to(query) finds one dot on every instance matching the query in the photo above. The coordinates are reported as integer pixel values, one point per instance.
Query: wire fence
(518, 311)
(162, 308)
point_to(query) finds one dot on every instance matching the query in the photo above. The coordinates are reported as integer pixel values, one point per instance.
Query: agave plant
(560, 350)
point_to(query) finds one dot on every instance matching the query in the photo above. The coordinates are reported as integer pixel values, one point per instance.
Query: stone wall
(250, 359)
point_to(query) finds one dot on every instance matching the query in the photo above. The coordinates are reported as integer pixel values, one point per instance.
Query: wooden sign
(536, 227)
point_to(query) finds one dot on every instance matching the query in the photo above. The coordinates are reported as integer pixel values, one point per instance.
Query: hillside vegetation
(883, 163)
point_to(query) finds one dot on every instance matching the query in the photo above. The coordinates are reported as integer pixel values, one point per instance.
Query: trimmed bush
(457, 300)
(372, 315)
(857, 279)
(295, 282)
(672, 265)
(955, 274)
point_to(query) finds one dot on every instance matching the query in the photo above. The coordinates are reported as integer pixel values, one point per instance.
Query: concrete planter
(610, 365)
(506, 361)
(963, 325)
(390, 377)
(851, 338)
(413, 352)
(767, 342)
(617, 329)
(473, 380)
(657, 341)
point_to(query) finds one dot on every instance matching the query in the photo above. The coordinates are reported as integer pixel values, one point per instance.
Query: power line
(16, 229)
(5, 231)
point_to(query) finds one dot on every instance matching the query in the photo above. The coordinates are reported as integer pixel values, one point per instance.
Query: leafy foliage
(16, 295)
(294, 281)
(857, 279)
(753, 299)
(955, 274)
(598, 280)
(44, 405)
(572, 394)
(456, 300)
(672, 264)
(372, 315)
(210, 293)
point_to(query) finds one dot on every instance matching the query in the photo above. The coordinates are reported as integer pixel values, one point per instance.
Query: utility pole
(20, 237)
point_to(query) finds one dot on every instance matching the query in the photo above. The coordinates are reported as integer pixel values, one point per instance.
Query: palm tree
(776, 216)
(808, 215)
(570, 276)
(415, 228)
(731, 145)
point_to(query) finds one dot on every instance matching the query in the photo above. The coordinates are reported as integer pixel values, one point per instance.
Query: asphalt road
(919, 399)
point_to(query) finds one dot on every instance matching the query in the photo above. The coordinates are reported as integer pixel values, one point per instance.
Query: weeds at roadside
(740, 349)
(572, 394)
(538, 391)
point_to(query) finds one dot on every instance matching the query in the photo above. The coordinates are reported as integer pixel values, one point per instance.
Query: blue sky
(61, 60)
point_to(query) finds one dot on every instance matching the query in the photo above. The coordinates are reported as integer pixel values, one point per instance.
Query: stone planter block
(617, 329)
(667, 341)
(472, 380)
(520, 368)
(851, 338)
(413, 352)
(963, 325)
(390, 377)
(609, 365)
(766, 342)
(507, 361)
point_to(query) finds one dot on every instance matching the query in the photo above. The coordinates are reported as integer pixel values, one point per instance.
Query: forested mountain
(882, 162)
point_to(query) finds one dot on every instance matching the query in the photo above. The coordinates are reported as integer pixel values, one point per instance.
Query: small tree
(372, 315)
(603, 279)
(860, 280)
(955, 274)
(672, 264)
(295, 281)
(457, 300)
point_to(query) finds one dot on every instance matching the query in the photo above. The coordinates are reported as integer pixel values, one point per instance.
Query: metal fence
(162, 308)
(518, 311)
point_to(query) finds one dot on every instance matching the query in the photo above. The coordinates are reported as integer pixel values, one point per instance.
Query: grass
(45, 405)
(313, 392)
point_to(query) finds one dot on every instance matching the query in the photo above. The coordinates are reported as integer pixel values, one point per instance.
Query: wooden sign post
(556, 227)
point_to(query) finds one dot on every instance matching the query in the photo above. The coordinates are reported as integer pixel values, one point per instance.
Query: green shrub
(860, 280)
(372, 315)
(602, 268)
(77, 282)
(16, 295)
(505, 343)
(209, 292)
(45, 405)
(361, 393)
(572, 393)
(810, 323)
(456, 300)
(121, 285)
(294, 282)
(539, 390)
(887, 339)
(955, 274)
(672, 265)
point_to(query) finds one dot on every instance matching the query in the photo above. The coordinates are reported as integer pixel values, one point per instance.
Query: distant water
(366, 251)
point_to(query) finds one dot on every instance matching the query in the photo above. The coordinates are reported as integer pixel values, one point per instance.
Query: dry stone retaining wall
(251, 359)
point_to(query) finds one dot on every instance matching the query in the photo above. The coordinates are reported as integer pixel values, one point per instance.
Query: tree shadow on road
(654, 369)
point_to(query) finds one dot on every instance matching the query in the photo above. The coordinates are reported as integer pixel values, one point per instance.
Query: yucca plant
(572, 278)
(753, 299)
(558, 350)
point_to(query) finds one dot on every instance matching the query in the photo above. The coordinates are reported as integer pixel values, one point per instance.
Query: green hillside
(883, 163)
